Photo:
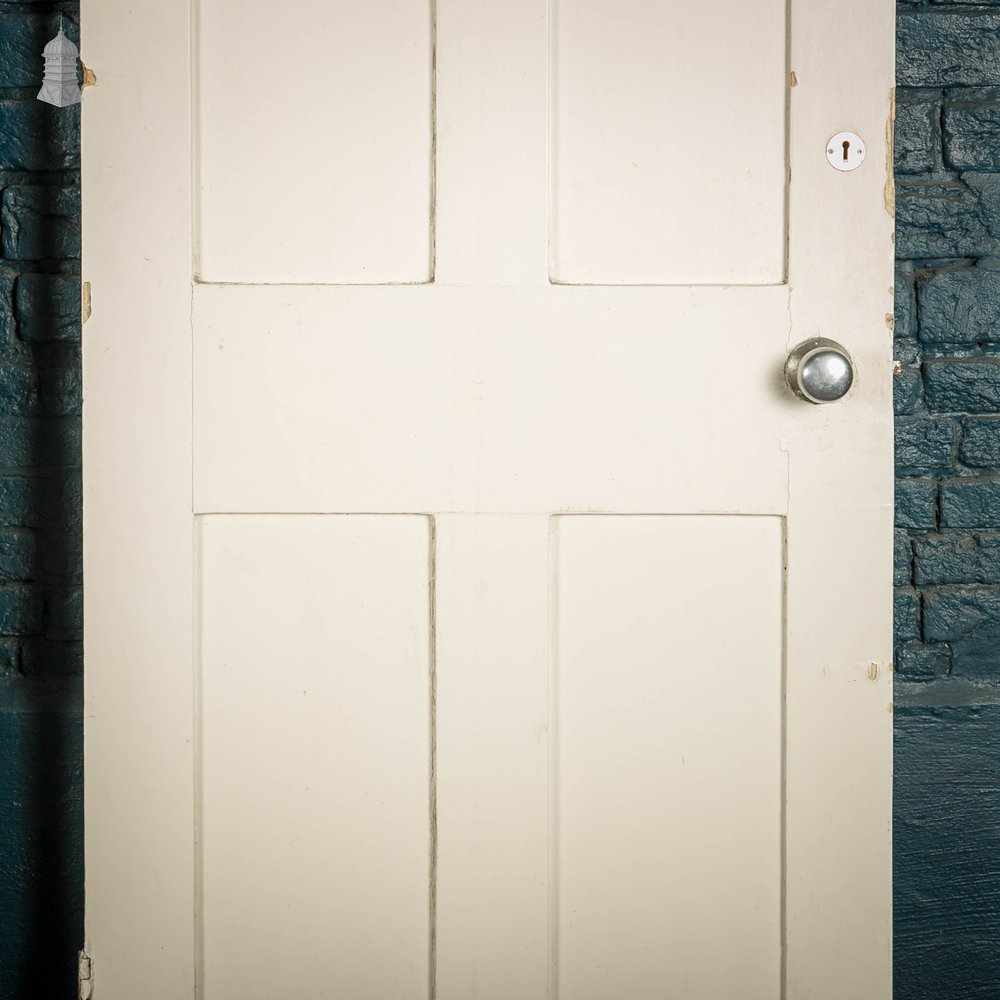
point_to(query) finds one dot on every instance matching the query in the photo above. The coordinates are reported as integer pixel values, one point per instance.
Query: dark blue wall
(947, 785)
(947, 810)
(41, 821)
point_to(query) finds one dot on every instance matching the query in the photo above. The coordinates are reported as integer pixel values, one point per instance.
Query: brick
(38, 136)
(63, 499)
(905, 303)
(18, 390)
(17, 555)
(907, 391)
(916, 504)
(907, 352)
(10, 657)
(60, 392)
(52, 500)
(956, 559)
(950, 615)
(985, 188)
(22, 38)
(936, 49)
(980, 442)
(972, 136)
(59, 556)
(39, 442)
(40, 222)
(16, 507)
(977, 656)
(924, 446)
(920, 661)
(948, 218)
(962, 386)
(902, 560)
(20, 610)
(970, 503)
(64, 615)
(20, 501)
(905, 616)
(960, 307)
(915, 136)
(44, 658)
(47, 307)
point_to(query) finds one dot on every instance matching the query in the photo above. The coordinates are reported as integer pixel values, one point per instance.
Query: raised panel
(668, 147)
(668, 757)
(315, 843)
(313, 141)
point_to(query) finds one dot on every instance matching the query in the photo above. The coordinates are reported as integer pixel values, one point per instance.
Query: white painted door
(471, 610)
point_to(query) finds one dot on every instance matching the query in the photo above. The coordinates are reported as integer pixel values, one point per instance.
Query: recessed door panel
(668, 757)
(313, 141)
(668, 150)
(315, 723)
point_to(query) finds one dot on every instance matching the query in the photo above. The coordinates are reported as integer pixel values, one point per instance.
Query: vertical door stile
(492, 628)
(491, 128)
(137, 523)
(839, 617)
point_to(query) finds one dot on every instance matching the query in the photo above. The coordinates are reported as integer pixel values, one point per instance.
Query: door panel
(315, 756)
(668, 143)
(668, 756)
(405, 393)
(314, 195)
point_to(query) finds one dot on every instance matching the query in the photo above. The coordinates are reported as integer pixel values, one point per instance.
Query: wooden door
(471, 609)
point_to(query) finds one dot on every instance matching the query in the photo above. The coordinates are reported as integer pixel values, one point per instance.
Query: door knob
(819, 371)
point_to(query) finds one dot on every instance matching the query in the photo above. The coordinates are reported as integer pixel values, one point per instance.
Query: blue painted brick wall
(947, 572)
(41, 822)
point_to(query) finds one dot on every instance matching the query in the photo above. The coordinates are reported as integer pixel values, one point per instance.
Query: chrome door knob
(819, 371)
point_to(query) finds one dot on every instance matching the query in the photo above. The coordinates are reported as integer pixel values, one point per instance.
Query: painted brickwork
(41, 823)
(947, 570)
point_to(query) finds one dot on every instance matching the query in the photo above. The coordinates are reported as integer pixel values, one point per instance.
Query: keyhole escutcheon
(845, 151)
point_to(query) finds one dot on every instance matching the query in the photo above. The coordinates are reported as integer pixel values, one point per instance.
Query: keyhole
(850, 144)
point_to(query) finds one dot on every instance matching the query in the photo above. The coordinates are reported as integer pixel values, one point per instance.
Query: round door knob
(819, 371)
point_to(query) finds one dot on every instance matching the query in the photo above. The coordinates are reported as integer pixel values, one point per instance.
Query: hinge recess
(85, 975)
